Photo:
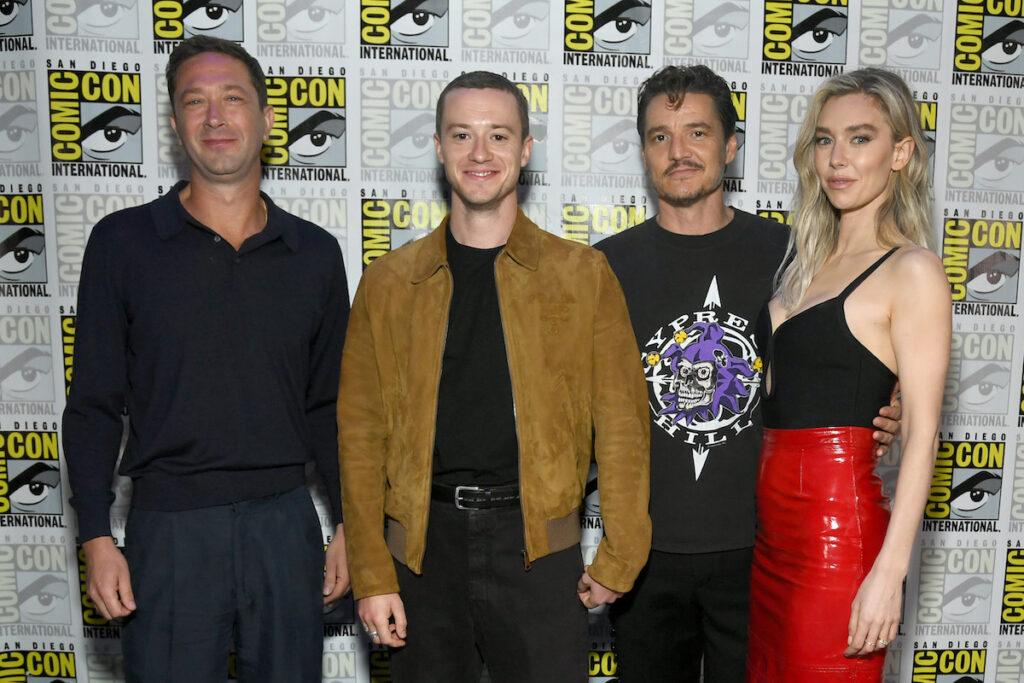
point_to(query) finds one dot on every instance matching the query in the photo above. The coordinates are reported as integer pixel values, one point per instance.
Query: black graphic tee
(694, 302)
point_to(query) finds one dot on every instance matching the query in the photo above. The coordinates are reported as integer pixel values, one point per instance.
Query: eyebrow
(850, 129)
(18, 239)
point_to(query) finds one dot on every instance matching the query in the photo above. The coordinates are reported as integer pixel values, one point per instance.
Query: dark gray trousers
(249, 572)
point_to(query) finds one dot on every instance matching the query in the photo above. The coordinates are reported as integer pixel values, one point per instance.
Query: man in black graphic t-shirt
(695, 277)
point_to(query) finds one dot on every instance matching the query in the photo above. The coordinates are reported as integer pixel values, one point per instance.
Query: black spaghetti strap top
(821, 376)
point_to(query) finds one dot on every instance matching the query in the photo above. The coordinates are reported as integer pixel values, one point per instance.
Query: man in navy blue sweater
(215, 320)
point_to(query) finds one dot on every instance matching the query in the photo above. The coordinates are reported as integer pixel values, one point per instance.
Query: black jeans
(252, 571)
(475, 602)
(682, 608)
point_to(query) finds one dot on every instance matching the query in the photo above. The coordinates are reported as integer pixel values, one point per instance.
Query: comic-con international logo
(702, 374)
(389, 223)
(505, 31)
(781, 114)
(110, 27)
(307, 141)
(19, 121)
(323, 206)
(591, 223)
(982, 262)
(407, 30)
(95, 121)
(804, 37)
(1010, 664)
(707, 31)
(536, 90)
(986, 153)
(300, 28)
(733, 180)
(949, 666)
(989, 43)
(1017, 496)
(607, 33)
(978, 381)
(1011, 615)
(16, 25)
(176, 20)
(966, 484)
(34, 584)
(928, 114)
(26, 365)
(600, 145)
(955, 591)
(29, 475)
(905, 35)
(67, 344)
(397, 127)
(76, 209)
(38, 666)
(22, 244)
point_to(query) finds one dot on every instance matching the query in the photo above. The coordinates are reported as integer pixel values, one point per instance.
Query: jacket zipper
(515, 414)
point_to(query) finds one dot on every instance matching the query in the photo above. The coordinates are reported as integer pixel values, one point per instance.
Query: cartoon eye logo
(9, 10)
(968, 600)
(31, 488)
(818, 31)
(19, 251)
(516, 20)
(997, 166)
(39, 600)
(985, 388)
(411, 142)
(620, 22)
(616, 145)
(306, 18)
(109, 132)
(97, 16)
(991, 273)
(315, 135)
(202, 15)
(21, 375)
(913, 37)
(16, 126)
(971, 494)
(1001, 49)
(714, 31)
(413, 18)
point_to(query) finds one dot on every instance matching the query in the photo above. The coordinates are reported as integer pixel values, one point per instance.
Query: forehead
(487, 106)
(851, 110)
(695, 108)
(209, 69)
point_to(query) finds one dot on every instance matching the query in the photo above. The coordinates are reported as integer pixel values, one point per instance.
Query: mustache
(684, 163)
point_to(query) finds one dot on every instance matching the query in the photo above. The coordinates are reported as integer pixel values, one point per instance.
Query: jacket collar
(523, 246)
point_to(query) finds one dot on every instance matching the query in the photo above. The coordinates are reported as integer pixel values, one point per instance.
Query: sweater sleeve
(322, 393)
(92, 423)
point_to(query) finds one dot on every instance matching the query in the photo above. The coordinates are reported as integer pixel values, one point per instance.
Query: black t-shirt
(476, 439)
(694, 302)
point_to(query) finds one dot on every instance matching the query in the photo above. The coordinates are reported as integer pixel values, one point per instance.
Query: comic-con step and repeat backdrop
(83, 132)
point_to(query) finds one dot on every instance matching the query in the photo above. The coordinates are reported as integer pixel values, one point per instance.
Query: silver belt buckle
(458, 494)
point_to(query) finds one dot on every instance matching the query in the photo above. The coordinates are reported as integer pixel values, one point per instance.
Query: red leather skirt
(821, 519)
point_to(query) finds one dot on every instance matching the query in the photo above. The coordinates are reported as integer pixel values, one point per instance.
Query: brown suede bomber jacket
(577, 388)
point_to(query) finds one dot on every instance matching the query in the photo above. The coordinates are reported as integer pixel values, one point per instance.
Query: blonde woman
(861, 303)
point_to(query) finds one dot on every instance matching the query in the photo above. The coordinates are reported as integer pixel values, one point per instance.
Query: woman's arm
(920, 331)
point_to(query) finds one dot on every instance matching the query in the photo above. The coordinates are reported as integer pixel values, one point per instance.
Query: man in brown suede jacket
(485, 366)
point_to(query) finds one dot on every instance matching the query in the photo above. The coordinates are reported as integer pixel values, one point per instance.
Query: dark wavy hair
(675, 82)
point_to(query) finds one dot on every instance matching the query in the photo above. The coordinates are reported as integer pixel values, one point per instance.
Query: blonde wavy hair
(903, 217)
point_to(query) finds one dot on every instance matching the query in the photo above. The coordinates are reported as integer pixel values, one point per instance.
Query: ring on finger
(372, 634)
(883, 643)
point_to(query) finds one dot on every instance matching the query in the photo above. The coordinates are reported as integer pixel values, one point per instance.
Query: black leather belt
(476, 497)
